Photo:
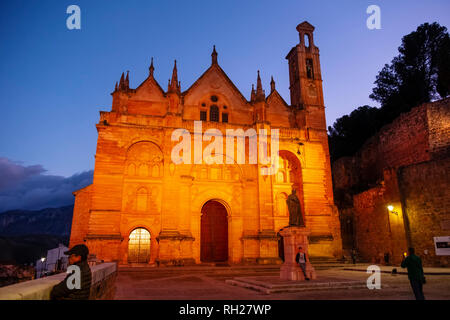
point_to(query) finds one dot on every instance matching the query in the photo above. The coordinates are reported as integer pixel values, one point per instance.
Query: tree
(419, 74)
(349, 132)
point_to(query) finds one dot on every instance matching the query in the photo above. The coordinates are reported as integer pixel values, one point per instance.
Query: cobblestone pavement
(209, 284)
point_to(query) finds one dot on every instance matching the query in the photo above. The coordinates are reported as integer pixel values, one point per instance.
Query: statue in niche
(295, 210)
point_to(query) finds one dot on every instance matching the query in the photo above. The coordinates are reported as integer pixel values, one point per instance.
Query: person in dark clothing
(65, 290)
(300, 258)
(415, 273)
(354, 255)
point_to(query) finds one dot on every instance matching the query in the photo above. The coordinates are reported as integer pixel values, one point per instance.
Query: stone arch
(280, 202)
(131, 169)
(222, 103)
(142, 199)
(144, 149)
(307, 40)
(144, 156)
(138, 139)
(294, 171)
(214, 232)
(211, 195)
(139, 245)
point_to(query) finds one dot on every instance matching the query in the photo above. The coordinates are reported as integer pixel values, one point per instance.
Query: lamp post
(391, 209)
(42, 264)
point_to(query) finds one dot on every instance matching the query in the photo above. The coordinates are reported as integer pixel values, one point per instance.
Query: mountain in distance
(26, 235)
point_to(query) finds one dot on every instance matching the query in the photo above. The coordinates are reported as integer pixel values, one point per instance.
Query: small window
(214, 113)
(309, 69)
(225, 117)
(307, 40)
(214, 98)
(202, 115)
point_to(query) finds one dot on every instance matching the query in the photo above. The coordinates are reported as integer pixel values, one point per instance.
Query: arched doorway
(139, 246)
(214, 232)
(289, 176)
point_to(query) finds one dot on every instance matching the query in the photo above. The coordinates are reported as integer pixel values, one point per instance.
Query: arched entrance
(139, 246)
(214, 232)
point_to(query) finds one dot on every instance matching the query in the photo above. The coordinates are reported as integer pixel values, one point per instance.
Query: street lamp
(391, 209)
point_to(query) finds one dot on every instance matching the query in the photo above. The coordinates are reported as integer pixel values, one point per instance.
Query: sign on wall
(442, 246)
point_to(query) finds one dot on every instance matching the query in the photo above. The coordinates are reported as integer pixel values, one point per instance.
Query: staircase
(323, 263)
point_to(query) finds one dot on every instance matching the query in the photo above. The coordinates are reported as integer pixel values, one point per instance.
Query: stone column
(294, 237)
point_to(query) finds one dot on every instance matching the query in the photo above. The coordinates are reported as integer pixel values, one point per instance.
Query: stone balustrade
(102, 288)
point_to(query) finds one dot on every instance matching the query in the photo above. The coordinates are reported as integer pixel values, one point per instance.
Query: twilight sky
(54, 81)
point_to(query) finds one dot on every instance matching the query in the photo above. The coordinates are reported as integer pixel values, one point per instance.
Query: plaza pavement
(210, 283)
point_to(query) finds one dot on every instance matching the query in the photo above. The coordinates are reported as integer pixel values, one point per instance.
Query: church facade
(142, 207)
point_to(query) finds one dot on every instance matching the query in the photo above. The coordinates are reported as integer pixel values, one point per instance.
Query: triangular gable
(305, 25)
(149, 90)
(215, 68)
(275, 98)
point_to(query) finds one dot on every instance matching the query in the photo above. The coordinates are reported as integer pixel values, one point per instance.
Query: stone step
(269, 287)
(202, 268)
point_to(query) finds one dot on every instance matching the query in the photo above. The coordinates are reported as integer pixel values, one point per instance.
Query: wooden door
(214, 233)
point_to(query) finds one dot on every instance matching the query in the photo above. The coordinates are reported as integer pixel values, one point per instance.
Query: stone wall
(379, 231)
(102, 288)
(438, 114)
(404, 165)
(426, 190)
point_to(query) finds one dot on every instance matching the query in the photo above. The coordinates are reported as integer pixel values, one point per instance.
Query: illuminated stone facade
(144, 208)
(405, 165)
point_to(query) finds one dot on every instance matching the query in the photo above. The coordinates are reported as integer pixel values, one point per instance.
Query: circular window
(214, 98)
(203, 104)
(225, 107)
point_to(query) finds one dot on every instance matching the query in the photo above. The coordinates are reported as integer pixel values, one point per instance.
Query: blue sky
(54, 81)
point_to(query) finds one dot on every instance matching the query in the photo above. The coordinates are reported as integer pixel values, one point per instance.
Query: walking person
(415, 273)
(300, 258)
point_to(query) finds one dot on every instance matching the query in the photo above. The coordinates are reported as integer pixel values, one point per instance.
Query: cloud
(27, 187)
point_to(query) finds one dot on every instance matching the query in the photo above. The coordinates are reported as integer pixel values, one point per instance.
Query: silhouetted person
(387, 258)
(62, 291)
(353, 254)
(415, 273)
(300, 258)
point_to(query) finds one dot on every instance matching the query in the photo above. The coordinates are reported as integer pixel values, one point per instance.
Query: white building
(55, 261)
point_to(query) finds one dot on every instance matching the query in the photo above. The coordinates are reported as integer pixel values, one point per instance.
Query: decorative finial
(127, 80)
(152, 68)
(253, 93)
(214, 55)
(122, 82)
(174, 85)
(259, 91)
(272, 85)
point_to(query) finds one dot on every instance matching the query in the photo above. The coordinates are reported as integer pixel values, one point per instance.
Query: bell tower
(305, 80)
